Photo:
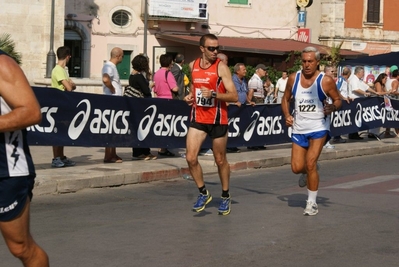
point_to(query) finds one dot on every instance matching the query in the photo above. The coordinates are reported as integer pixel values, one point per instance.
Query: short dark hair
(179, 58)
(395, 73)
(140, 63)
(206, 37)
(165, 60)
(63, 52)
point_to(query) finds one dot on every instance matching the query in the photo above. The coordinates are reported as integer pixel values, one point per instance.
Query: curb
(50, 183)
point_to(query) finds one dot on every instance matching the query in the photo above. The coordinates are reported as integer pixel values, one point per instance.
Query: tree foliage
(8, 46)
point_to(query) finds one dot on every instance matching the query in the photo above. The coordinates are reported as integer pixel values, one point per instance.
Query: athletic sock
(225, 193)
(203, 190)
(312, 195)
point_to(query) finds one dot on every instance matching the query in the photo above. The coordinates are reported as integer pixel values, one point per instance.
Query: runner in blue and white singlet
(309, 107)
(310, 124)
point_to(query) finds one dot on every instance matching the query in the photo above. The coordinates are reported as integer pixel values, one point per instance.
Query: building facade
(250, 31)
(367, 26)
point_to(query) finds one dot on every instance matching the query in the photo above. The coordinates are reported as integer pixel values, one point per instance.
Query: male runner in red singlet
(212, 86)
(310, 126)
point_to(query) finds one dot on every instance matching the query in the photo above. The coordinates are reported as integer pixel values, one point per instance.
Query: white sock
(312, 195)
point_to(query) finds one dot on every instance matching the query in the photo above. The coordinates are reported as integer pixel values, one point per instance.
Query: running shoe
(68, 163)
(302, 182)
(338, 140)
(224, 206)
(57, 163)
(201, 202)
(303, 179)
(328, 145)
(208, 152)
(311, 209)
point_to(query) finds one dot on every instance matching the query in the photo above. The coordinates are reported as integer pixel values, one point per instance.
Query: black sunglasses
(212, 48)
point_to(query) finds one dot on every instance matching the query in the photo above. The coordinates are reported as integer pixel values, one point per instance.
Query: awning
(257, 45)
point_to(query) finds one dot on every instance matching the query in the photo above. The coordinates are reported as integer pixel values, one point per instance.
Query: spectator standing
(255, 92)
(379, 87)
(391, 84)
(165, 86)
(60, 80)
(255, 85)
(358, 88)
(178, 73)
(241, 86)
(139, 79)
(112, 86)
(280, 86)
(212, 88)
(268, 91)
(342, 86)
(310, 130)
(19, 109)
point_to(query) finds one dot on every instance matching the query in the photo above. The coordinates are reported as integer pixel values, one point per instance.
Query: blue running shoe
(224, 207)
(202, 200)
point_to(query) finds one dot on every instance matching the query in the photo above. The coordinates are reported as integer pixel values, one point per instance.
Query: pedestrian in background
(165, 87)
(177, 71)
(255, 85)
(60, 80)
(255, 92)
(280, 86)
(139, 79)
(112, 86)
(19, 109)
(268, 88)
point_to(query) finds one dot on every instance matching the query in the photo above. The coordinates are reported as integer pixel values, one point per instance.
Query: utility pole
(50, 63)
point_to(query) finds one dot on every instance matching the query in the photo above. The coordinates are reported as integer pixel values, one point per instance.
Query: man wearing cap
(255, 86)
(255, 92)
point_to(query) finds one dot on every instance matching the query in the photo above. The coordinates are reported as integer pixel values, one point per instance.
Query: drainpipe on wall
(50, 63)
(145, 26)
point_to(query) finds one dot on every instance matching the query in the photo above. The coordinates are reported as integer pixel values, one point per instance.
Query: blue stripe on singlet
(320, 92)
(297, 79)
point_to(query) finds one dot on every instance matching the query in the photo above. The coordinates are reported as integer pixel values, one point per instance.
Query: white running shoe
(328, 145)
(311, 209)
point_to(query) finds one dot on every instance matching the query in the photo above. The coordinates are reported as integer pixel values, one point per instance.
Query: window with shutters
(373, 11)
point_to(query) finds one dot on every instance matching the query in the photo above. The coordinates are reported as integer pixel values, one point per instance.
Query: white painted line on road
(394, 190)
(364, 182)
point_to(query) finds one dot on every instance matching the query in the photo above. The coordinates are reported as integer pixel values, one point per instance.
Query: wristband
(213, 94)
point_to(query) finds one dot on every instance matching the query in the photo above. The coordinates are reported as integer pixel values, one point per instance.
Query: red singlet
(208, 110)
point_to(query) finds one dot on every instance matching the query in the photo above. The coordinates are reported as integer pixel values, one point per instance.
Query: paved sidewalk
(90, 171)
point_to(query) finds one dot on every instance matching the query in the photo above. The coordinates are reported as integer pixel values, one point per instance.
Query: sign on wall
(192, 9)
(304, 35)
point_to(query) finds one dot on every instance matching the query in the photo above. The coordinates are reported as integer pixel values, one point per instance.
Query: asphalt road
(153, 225)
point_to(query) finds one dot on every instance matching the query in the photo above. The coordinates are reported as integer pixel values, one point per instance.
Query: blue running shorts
(303, 139)
(13, 195)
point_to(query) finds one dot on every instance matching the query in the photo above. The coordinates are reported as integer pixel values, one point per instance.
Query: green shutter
(239, 2)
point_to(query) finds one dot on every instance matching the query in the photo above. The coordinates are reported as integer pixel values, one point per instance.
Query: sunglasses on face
(212, 48)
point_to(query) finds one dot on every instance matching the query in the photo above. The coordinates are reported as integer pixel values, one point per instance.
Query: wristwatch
(213, 94)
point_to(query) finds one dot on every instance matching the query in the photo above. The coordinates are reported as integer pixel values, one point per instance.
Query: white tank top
(308, 113)
(388, 84)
